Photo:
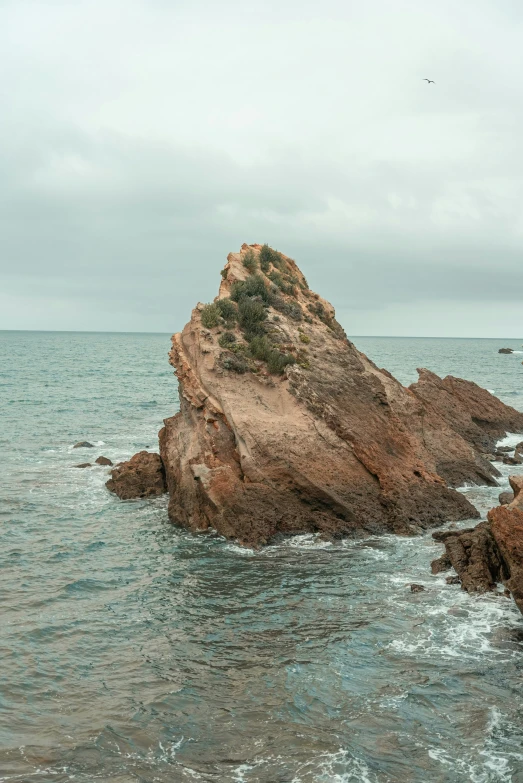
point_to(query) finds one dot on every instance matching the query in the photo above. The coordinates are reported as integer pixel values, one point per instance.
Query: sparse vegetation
(304, 338)
(224, 273)
(210, 316)
(226, 339)
(284, 283)
(228, 310)
(278, 361)
(255, 285)
(234, 362)
(269, 256)
(291, 309)
(251, 315)
(249, 261)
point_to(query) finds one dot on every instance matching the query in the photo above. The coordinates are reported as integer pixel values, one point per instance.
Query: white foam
(512, 439)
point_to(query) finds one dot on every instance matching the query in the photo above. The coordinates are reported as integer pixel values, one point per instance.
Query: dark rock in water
(505, 350)
(84, 465)
(441, 564)
(103, 461)
(140, 477)
(453, 580)
(504, 449)
(414, 588)
(505, 498)
(515, 460)
(475, 558)
(84, 444)
(519, 447)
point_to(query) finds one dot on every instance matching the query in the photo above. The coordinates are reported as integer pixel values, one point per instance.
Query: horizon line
(351, 336)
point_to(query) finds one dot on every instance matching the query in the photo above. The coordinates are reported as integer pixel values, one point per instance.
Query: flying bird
(430, 81)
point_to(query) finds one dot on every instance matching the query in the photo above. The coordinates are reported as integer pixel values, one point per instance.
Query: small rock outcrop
(490, 553)
(142, 476)
(472, 412)
(83, 444)
(285, 427)
(103, 461)
(505, 350)
(474, 555)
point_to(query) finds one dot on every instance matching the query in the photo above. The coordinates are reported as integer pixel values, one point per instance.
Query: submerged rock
(414, 588)
(84, 465)
(285, 427)
(83, 444)
(506, 350)
(140, 477)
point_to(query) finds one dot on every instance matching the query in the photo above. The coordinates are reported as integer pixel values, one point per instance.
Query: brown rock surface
(333, 444)
(474, 413)
(474, 555)
(103, 461)
(140, 477)
(516, 482)
(506, 524)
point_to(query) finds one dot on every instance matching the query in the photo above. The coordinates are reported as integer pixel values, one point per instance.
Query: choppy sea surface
(134, 651)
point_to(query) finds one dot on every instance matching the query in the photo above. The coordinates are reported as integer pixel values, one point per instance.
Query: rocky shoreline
(285, 427)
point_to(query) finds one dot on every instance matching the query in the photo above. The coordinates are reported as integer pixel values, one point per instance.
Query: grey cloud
(130, 165)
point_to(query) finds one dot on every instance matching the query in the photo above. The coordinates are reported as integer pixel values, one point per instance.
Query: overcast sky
(142, 140)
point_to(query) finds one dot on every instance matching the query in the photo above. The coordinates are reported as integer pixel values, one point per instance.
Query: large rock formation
(285, 427)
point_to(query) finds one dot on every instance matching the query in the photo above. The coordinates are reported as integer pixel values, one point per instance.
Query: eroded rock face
(333, 444)
(142, 476)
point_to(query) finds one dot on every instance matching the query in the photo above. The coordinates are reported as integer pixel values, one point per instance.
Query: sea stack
(285, 427)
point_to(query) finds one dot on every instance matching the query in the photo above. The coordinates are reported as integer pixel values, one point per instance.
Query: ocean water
(134, 651)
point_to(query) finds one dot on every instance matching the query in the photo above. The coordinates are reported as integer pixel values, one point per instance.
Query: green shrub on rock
(269, 256)
(228, 310)
(251, 315)
(210, 316)
(249, 261)
(226, 339)
(278, 361)
(234, 362)
(255, 285)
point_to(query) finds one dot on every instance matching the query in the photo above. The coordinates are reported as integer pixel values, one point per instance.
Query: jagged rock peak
(285, 427)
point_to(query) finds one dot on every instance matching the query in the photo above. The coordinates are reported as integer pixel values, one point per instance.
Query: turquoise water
(133, 651)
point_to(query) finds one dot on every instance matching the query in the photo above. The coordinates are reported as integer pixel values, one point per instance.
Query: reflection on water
(133, 651)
